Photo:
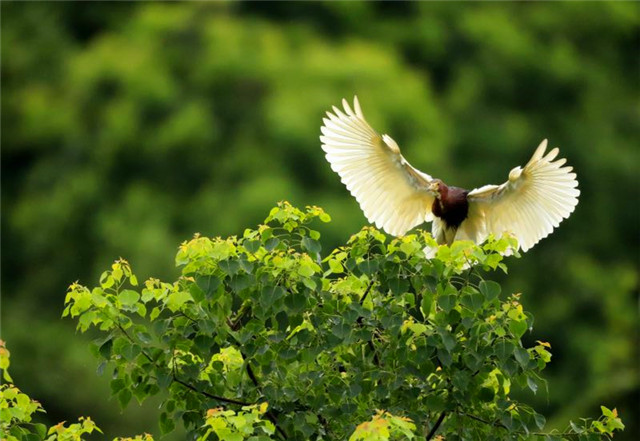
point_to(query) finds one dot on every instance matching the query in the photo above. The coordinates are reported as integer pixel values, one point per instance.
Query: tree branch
(212, 396)
(376, 359)
(269, 414)
(366, 292)
(518, 432)
(436, 426)
(126, 334)
(208, 395)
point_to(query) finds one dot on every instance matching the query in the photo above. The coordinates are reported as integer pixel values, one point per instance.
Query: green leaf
(434, 402)
(155, 312)
(522, 356)
(124, 397)
(117, 385)
(296, 302)
(539, 420)
(251, 246)
(341, 330)
(98, 298)
(489, 289)
(144, 337)
(504, 349)
(208, 284)
(448, 340)
(311, 245)
(166, 424)
(472, 360)
(40, 429)
(447, 302)
(141, 309)
(425, 303)
(398, 285)
(368, 267)
(230, 267)
(128, 297)
(130, 352)
(324, 217)
(105, 349)
(86, 320)
(335, 266)
(518, 327)
(246, 266)
(271, 294)
(445, 357)
(305, 269)
(472, 301)
(532, 384)
(607, 412)
(310, 283)
(164, 379)
(176, 300)
(575, 427)
(270, 244)
(240, 282)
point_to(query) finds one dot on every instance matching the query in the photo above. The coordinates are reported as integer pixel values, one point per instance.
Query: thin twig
(126, 334)
(269, 414)
(376, 359)
(208, 395)
(518, 432)
(436, 426)
(366, 292)
(235, 323)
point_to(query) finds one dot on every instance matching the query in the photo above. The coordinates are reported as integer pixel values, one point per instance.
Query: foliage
(17, 412)
(264, 318)
(232, 426)
(383, 427)
(128, 126)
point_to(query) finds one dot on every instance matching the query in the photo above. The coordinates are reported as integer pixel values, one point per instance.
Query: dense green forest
(128, 127)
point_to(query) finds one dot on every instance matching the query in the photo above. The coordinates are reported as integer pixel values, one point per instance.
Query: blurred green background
(127, 127)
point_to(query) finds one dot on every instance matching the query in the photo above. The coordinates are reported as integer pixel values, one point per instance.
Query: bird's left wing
(532, 202)
(392, 193)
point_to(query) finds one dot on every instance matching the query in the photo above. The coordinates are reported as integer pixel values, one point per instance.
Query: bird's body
(451, 205)
(397, 197)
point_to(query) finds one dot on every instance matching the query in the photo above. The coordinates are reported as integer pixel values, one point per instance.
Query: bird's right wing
(532, 202)
(392, 194)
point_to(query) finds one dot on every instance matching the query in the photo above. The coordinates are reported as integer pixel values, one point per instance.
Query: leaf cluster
(18, 411)
(265, 318)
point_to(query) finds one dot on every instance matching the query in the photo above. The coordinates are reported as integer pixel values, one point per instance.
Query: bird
(397, 197)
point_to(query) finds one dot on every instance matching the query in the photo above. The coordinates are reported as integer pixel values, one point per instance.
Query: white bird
(397, 197)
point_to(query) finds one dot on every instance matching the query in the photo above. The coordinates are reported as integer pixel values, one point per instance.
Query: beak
(433, 188)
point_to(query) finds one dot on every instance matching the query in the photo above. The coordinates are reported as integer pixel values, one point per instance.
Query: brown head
(450, 203)
(438, 189)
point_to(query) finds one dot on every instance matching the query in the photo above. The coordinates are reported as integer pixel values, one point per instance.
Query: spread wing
(391, 193)
(532, 202)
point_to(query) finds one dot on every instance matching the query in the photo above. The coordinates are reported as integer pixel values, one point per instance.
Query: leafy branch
(323, 342)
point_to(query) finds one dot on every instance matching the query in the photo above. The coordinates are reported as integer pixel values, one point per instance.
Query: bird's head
(436, 188)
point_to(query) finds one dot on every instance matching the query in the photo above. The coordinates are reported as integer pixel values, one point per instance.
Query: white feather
(531, 203)
(392, 194)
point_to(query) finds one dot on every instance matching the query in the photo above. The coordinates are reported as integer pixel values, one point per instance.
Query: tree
(262, 338)
(129, 126)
